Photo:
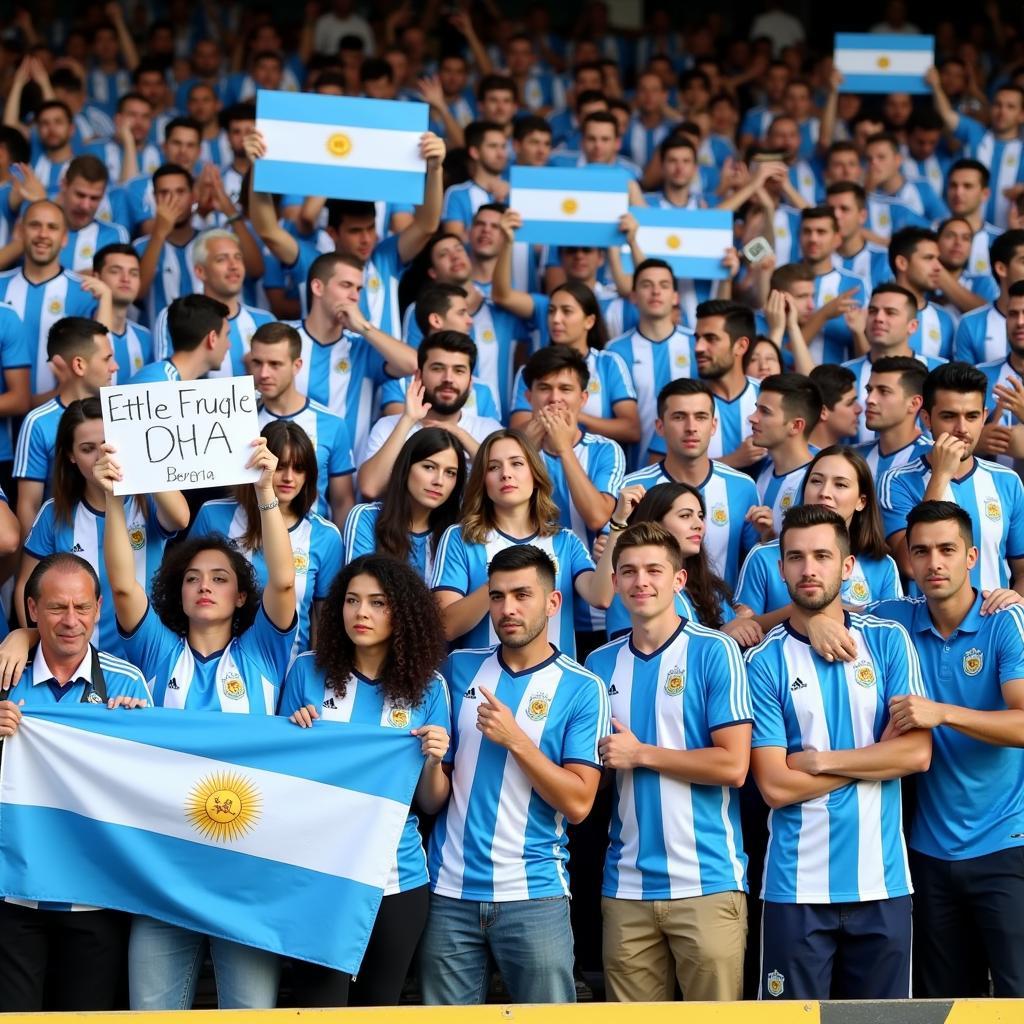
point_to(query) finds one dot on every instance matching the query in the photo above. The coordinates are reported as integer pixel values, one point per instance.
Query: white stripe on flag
(711, 242)
(883, 62)
(293, 811)
(379, 149)
(569, 207)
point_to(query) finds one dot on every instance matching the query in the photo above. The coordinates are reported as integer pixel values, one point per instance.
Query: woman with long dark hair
(375, 663)
(422, 499)
(839, 478)
(315, 541)
(508, 501)
(74, 519)
(574, 319)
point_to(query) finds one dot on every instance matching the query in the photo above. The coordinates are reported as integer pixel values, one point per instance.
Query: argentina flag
(570, 205)
(883, 62)
(341, 147)
(237, 826)
(692, 242)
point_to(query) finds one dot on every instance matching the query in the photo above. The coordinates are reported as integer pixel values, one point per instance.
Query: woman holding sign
(508, 501)
(74, 519)
(315, 541)
(375, 664)
(208, 641)
(422, 500)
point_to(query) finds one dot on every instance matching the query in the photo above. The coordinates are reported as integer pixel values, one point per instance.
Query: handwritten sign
(178, 435)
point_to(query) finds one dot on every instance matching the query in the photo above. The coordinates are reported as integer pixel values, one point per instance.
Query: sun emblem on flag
(223, 806)
(719, 515)
(339, 145)
(538, 707)
(301, 560)
(973, 660)
(234, 687)
(673, 242)
(864, 674)
(883, 62)
(570, 206)
(399, 718)
(675, 682)
(993, 510)
(137, 536)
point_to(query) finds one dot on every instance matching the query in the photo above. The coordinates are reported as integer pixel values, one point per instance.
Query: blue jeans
(164, 962)
(530, 941)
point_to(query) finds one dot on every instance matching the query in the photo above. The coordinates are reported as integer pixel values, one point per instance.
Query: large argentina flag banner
(237, 826)
(341, 147)
(883, 62)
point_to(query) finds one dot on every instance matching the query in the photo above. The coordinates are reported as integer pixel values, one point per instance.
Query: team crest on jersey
(827, 298)
(682, 359)
(538, 707)
(301, 560)
(864, 674)
(993, 510)
(93, 698)
(675, 681)
(776, 984)
(398, 718)
(787, 500)
(594, 386)
(86, 252)
(859, 590)
(487, 335)
(973, 660)
(883, 219)
(55, 307)
(137, 536)
(934, 334)
(373, 284)
(137, 362)
(719, 515)
(233, 686)
(342, 366)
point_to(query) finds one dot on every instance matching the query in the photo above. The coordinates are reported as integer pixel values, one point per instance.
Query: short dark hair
(1003, 248)
(676, 142)
(553, 359)
(647, 534)
(15, 143)
(63, 561)
(54, 105)
(130, 97)
(339, 209)
(802, 517)
(940, 512)
(653, 263)
(801, 398)
(912, 372)
(905, 242)
(245, 111)
(524, 126)
(784, 277)
(925, 119)
(887, 137)
(73, 336)
(189, 123)
(853, 188)
(275, 332)
(374, 68)
(89, 167)
(323, 267)
(447, 341)
(600, 117)
(114, 249)
(892, 288)
(819, 213)
(961, 378)
(684, 386)
(833, 381)
(496, 83)
(191, 318)
(475, 131)
(1016, 290)
(168, 170)
(436, 298)
(589, 96)
(966, 164)
(524, 556)
(739, 319)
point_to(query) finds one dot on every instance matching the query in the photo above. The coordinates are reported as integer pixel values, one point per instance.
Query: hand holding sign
(178, 435)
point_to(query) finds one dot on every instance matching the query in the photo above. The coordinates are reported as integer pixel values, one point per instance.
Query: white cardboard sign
(178, 435)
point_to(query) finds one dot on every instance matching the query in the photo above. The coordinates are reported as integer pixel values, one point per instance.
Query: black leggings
(393, 941)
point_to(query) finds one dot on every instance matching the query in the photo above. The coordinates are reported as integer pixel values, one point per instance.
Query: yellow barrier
(966, 1011)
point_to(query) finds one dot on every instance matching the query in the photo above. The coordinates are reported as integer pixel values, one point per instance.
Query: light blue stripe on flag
(692, 242)
(234, 826)
(883, 63)
(341, 147)
(570, 205)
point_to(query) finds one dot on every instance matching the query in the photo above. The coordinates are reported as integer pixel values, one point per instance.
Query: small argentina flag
(883, 63)
(692, 242)
(341, 147)
(570, 205)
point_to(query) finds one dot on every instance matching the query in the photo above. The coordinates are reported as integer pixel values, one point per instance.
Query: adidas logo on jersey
(470, 693)
(613, 691)
(173, 685)
(329, 703)
(77, 549)
(798, 684)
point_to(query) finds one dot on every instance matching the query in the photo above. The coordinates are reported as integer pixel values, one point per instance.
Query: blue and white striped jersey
(834, 342)
(880, 463)
(861, 369)
(241, 327)
(610, 383)
(497, 840)
(37, 442)
(981, 336)
(175, 275)
(846, 846)
(733, 422)
(364, 703)
(991, 494)
(132, 350)
(671, 839)
(84, 243)
(360, 538)
(780, 492)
